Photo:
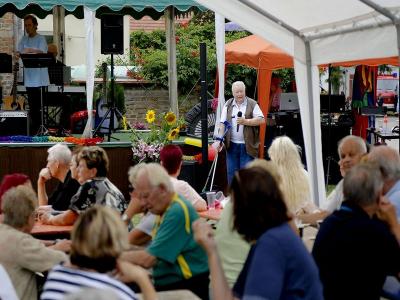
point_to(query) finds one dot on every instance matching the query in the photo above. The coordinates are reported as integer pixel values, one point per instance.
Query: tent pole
(313, 142)
(398, 75)
(171, 48)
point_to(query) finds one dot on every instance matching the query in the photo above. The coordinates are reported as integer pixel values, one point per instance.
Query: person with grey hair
(21, 254)
(351, 149)
(357, 246)
(178, 262)
(388, 159)
(58, 167)
(243, 140)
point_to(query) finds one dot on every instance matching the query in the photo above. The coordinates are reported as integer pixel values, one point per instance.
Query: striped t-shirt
(62, 281)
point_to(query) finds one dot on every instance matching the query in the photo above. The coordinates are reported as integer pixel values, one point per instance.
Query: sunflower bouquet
(146, 145)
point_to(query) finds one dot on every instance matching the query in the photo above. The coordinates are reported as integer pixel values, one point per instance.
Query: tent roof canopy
(137, 9)
(255, 52)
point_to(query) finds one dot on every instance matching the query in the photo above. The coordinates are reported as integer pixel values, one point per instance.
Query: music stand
(39, 60)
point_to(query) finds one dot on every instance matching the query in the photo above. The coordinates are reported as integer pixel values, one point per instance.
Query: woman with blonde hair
(295, 181)
(98, 239)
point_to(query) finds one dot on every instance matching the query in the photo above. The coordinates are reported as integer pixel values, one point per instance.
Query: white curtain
(89, 28)
(220, 46)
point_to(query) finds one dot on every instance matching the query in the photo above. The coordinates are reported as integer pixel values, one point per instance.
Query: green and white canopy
(136, 8)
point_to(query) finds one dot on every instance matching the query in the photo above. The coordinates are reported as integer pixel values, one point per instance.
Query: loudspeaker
(14, 122)
(112, 34)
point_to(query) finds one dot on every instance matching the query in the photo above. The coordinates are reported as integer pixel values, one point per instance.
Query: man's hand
(241, 121)
(218, 145)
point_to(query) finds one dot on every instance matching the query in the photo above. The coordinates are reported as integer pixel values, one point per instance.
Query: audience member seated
(177, 261)
(98, 239)
(95, 188)
(278, 265)
(58, 164)
(388, 160)
(351, 149)
(20, 253)
(232, 248)
(12, 180)
(358, 246)
(171, 160)
(295, 180)
(141, 234)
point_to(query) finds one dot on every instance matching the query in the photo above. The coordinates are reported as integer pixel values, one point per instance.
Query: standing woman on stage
(35, 79)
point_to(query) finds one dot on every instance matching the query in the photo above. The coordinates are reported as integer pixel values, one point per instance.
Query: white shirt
(7, 290)
(34, 77)
(237, 135)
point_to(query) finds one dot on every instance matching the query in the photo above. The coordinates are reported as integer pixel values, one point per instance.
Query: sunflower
(173, 134)
(150, 116)
(170, 118)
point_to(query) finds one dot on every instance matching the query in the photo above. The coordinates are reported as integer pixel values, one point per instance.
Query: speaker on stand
(112, 42)
(112, 34)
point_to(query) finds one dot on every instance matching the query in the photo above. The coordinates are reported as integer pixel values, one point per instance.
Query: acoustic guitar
(14, 101)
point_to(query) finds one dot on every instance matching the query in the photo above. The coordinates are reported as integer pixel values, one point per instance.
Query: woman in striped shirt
(98, 239)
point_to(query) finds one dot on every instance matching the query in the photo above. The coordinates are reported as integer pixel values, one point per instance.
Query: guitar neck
(14, 88)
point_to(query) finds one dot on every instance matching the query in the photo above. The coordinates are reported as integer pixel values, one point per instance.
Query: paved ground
(392, 121)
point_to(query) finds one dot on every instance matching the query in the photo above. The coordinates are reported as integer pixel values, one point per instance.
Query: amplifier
(14, 122)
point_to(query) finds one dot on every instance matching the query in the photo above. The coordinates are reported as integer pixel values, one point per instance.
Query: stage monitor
(337, 103)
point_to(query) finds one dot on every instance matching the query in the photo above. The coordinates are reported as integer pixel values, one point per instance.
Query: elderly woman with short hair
(98, 239)
(95, 188)
(20, 253)
(58, 164)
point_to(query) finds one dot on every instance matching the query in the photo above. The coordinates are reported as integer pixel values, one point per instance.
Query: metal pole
(203, 94)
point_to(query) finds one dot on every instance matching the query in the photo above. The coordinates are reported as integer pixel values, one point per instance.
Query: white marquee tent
(317, 32)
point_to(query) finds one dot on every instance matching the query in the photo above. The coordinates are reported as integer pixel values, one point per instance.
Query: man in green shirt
(178, 262)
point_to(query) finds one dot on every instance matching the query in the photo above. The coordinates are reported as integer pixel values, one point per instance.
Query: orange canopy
(255, 52)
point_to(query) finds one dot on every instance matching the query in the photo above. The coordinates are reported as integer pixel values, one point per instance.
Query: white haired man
(178, 262)
(243, 140)
(351, 149)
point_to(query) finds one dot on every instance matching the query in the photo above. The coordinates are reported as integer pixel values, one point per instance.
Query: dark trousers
(34, 100)
(197, 284)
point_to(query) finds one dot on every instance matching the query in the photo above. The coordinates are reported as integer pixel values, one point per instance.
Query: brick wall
(138, 101)
(6, 46)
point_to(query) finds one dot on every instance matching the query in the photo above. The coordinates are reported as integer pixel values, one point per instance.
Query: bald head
(388, 160)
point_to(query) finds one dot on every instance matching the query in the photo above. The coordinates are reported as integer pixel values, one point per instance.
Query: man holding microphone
(243, 140)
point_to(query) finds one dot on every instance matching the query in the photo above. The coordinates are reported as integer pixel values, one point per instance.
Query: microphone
(239, 116)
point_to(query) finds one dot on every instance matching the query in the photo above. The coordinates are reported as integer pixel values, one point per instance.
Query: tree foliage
(148, 52)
